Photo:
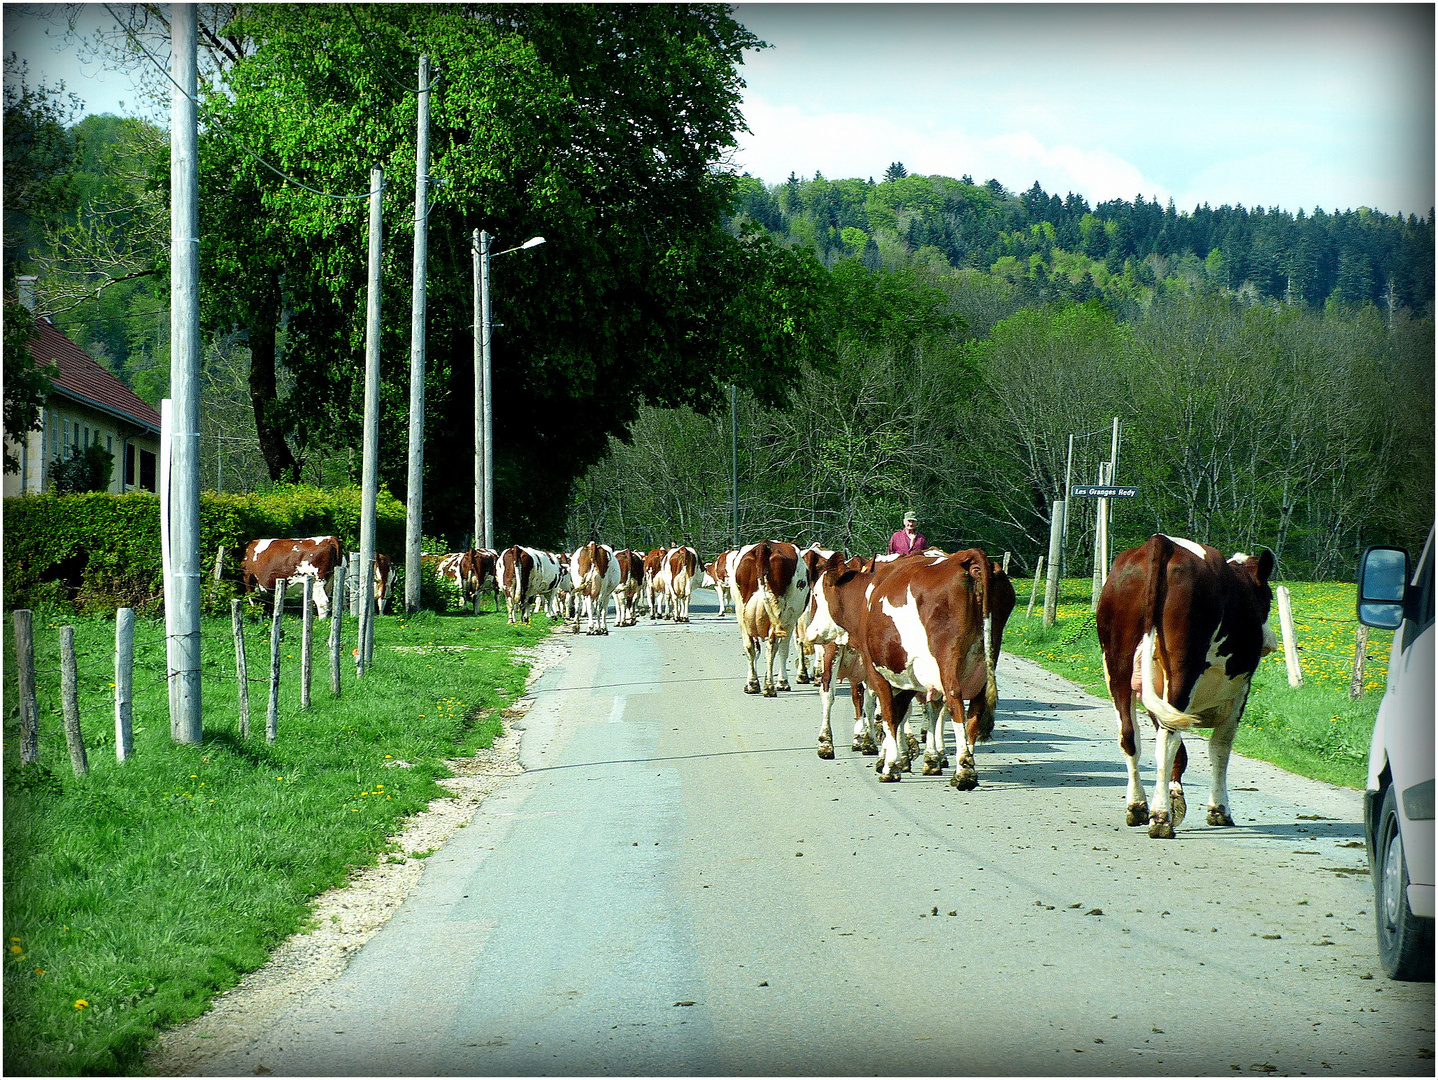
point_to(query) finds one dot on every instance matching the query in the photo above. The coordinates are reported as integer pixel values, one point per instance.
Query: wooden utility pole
(1051, 594)
(414, 504)
(370, 492)
(185, 718)
(124, 682)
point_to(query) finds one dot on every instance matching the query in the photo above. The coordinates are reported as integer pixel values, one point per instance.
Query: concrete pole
(414, 504)
(185, 373)
(734, 434)
(478, 541)
(370, 492)
(487, 389)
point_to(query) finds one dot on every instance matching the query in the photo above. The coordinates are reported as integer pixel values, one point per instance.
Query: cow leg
(751, 654)
(1165, 813)
(891, 704)
(935, 754)
(1120, 688)
(826, 703)
(865, 727)
(966, 734)
(781, 646)
(1220, 743)
(321, 598)
(771, 649)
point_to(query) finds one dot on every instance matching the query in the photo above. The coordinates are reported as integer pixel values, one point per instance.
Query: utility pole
(370, 491)
(734, 433)
(185, 717)
(483, 406)
(414, 504)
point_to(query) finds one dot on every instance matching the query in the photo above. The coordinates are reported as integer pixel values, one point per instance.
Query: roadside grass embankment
(134, 895)
(1314, 730)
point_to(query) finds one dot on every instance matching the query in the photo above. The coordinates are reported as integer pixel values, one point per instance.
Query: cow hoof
(932, 766)
(826, 751)
(751, 688)
(870, 747)
(857, 746)
(769, 691)
(784, 686)
(912, 744)
(1159, 826)
(1218, 815)
(803, 677)
(1137, 814)
(1177, 807)
(889, 777)
(965, 780)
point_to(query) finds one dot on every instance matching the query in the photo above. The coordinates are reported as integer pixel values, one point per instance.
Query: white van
(1398, 803)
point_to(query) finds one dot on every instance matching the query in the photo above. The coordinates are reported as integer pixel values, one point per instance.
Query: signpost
(1102, 491)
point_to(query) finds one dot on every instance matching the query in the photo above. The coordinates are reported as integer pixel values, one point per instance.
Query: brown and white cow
(266, 561)
(679, 573)
(816, 561)
(921, 625)
(594, 575)
(383, 583)
(1184, 630)
(630, 587)
(474, 571)
(526, 576)
(717, 575)
(770, 590)
(654, 588)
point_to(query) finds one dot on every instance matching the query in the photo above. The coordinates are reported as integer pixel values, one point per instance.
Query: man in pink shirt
(908, 539)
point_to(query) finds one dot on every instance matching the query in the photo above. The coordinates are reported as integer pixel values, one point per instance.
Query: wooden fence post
(1051, 594)
(307, 639)
(1290, 645)
(242, 668)
(272, 714)
(1360, 662)
(124, 682)
(353, 574)
(337, 614)
(1034, 592)
(1007, 555)
(219, 561)
(70, 702)
(25, 680)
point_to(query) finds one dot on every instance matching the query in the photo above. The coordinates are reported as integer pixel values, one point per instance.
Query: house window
(129, 464)
(147, 470)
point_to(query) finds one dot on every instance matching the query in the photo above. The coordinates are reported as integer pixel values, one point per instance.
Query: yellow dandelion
(39, 971)
(81, 1003)
(16, 948)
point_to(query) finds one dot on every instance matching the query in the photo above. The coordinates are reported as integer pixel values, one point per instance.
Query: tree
(39, 157)
(600, 128)
(895, 171)
(27, 386)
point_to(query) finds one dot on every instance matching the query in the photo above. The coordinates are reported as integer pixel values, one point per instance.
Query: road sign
(1103, 491)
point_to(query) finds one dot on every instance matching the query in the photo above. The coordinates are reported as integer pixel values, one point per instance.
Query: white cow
(770, 590)
(594, 575)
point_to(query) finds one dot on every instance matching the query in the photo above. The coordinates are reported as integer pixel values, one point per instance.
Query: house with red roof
(87, 405)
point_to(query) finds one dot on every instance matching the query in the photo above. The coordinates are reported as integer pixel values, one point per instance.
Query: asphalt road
(678, 885)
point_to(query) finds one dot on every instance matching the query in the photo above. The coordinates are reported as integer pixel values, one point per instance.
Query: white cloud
(840, 145)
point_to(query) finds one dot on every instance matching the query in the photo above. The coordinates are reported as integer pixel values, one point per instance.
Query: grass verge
(134, 895)
(1314, 730)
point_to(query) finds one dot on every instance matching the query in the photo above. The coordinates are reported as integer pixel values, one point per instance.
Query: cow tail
(991, 686)
(767, 595)
(1158, 706)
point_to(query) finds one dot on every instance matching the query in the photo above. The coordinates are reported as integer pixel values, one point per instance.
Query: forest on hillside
(916, 343)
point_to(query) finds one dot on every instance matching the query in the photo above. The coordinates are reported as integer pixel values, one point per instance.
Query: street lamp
(483, 397)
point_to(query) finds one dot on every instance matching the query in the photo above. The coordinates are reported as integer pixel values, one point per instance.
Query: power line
(220, 127)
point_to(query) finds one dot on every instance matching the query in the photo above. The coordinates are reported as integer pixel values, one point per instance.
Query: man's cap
(911, 516)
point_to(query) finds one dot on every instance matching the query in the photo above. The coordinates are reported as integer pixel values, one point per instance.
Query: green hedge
(97, 552)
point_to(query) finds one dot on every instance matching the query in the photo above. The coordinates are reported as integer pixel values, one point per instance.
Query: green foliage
(98, 552)
(39, 156)
(151, 886)
(27, 386)
(84, 470)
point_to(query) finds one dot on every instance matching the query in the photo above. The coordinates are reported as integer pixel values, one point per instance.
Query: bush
(95, 552)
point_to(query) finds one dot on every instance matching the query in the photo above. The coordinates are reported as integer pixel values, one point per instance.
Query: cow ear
(847, 575)
(1266, 564)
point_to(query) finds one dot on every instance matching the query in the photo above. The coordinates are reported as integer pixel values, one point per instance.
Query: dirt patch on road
(348, 916)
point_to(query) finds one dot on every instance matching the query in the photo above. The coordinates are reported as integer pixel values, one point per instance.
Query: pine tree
(895, 171)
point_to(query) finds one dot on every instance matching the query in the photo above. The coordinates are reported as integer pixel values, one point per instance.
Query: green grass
(1313, 729)
(136, 894)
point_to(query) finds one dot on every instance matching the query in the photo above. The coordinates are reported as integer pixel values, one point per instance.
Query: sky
(1287, 105)
(1296, 106)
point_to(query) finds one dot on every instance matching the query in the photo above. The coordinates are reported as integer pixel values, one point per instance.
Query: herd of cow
(1181, 628)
